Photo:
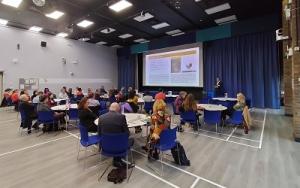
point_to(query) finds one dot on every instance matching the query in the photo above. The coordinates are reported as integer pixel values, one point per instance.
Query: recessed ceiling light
(177, 34)
(227, 19)
(62, 34)
(116, 46)
(120, 5)
(101, 43)
(35, 29)
(140, 40)
(84, 39)
(3, 22)
(107, 30)
(12, 3)
(173, 32)
(125, 36)
(145, 41)
(55, 15)
(219, 8)
(160, 25)
(143, 17)
(85, 23)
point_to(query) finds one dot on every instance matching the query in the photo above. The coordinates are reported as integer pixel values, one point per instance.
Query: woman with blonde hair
(242, 106)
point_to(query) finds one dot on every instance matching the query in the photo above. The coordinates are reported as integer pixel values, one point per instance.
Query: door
(1, 86)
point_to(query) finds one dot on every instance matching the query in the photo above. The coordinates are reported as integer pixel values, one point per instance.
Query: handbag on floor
(179, 155)
(117, 175)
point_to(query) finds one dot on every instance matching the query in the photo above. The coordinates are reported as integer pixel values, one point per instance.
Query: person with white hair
(113, 122)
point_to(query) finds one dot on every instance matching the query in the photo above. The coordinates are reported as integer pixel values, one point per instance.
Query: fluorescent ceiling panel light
(12, 3)
(227, 19)
(120, 5)
(55, 15)
(116, 46)
(101, 43)
(85, 23)
(107, 30)
(3, 22)
(125, 36)
(35, 29)
(173, 32)
(84, 39)
(140, 40)
(177, 34)
(143, 17)
(160, 25)
(62, 34)
(219, 8)
(145, 41)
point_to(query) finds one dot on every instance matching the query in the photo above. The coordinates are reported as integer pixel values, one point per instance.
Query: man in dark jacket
(28, 112)
(113, 122)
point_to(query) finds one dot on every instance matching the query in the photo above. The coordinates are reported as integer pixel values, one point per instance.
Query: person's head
(159, 106)
(90, 90)
(90, 95)
(70, 90)
(16, 91)
(189, 102)
(40, 93)
(240, 98)
(129, 89)
(24, 98)
(131, 94)
(102, 87)
(44, 99)
(79, 89)
(65, 88)
(83, 104)
(114, 107)
(122, 89)
(35, 92)
(182, 94)
(62, 90)
(24, 91)
(160, 96)
(46, 90)
(218, 79)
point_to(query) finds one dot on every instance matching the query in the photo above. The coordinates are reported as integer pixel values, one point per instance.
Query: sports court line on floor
(33, 146)
(262, 132)
(231, 133)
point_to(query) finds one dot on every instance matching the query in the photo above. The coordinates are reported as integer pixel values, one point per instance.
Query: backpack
(117, 175)
(179, 155)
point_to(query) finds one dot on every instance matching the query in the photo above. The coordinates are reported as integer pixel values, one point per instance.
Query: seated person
(179, 101)
(43, 106)
(102, 91)
(6, 98)
(46, 91)
(51, 101)
(86, 116)
(190, 104)
(160, 121)
(79, 93)
(15, 98)
(114, 122)
(70, 93)
(241, 106)
(36, 99)
(133, 101)
(111, 96)
(147, 97)
(92, 101)
(121, 95)
(28, 109)
(63, 94)
(34, 94)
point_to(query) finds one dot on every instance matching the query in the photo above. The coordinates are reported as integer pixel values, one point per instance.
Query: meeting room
(150, 93)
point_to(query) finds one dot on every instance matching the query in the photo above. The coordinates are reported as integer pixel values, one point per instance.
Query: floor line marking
(195, 183)
(184, 171)
(35, 145)
(10, 120)
(262, 132)
(231, 133)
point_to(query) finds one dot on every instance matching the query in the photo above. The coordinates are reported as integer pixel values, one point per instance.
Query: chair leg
(216, 128)
(104, 172)
(85, 157)
(161, 163)
(78, 149)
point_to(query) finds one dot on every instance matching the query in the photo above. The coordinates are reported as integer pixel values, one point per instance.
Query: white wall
(97, 65)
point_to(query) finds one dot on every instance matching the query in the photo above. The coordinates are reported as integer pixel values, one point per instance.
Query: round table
(64, 107)
(224, 99)
(141, 100)
(212, 107)
(172, 96)
(133, 119)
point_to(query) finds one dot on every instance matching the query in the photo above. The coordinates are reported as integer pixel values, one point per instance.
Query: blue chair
(101, 112)
(188, 117)
(167, 141)
(212, 118)
(204, 101)
(103, 105)
(148, 106)
(23, 120)
(86, 140)
(46, 118)
(115, 145)
(170, 100)
(210, 94)
(248, 103)
(73, 116)
(236, 118)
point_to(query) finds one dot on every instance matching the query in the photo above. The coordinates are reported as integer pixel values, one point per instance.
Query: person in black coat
(86, 116)
(219, 88)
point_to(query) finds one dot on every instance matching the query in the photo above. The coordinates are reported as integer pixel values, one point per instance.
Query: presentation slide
(178, 68)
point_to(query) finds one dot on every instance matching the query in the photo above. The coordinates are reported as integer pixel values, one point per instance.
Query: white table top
(63, 107)
(212, 107)
(58, 100)
(133, 119)
(173, 96)
(224, 99)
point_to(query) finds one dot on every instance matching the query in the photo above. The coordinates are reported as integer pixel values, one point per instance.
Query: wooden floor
(266, 158)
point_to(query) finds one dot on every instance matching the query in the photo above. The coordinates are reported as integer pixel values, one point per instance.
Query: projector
(279, 35)
(39, 3)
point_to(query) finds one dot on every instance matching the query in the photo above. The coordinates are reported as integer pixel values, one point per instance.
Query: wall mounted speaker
(43, 44)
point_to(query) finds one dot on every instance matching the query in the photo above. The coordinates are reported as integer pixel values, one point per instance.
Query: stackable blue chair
(86, 140)
(23, 120)
(212, 118)
(188, 117)
(115, 145)
(236, 118)
(148, 106)
(46, 118)
(101, 112)
(73, 116)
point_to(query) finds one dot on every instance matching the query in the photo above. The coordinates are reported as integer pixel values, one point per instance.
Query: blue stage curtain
(247, 64)
(126, 71)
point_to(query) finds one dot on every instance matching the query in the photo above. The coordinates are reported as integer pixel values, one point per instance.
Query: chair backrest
(148, 106)
(84, 135)
(95, 109)
(210, 94)
(237, 117)
(212, 117)
(73, 113)
(46, 116)
(114, 144)
(168, 137)
(188, 116)
(23, 114)
(248, 103)
(103, 105)
(101, 112)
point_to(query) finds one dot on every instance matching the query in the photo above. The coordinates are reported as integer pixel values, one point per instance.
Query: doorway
(1, 86)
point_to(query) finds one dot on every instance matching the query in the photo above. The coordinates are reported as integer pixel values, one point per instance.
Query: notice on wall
(29, 83)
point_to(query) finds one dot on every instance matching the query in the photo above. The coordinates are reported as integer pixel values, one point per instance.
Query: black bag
(117, 175)
(179, 155)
